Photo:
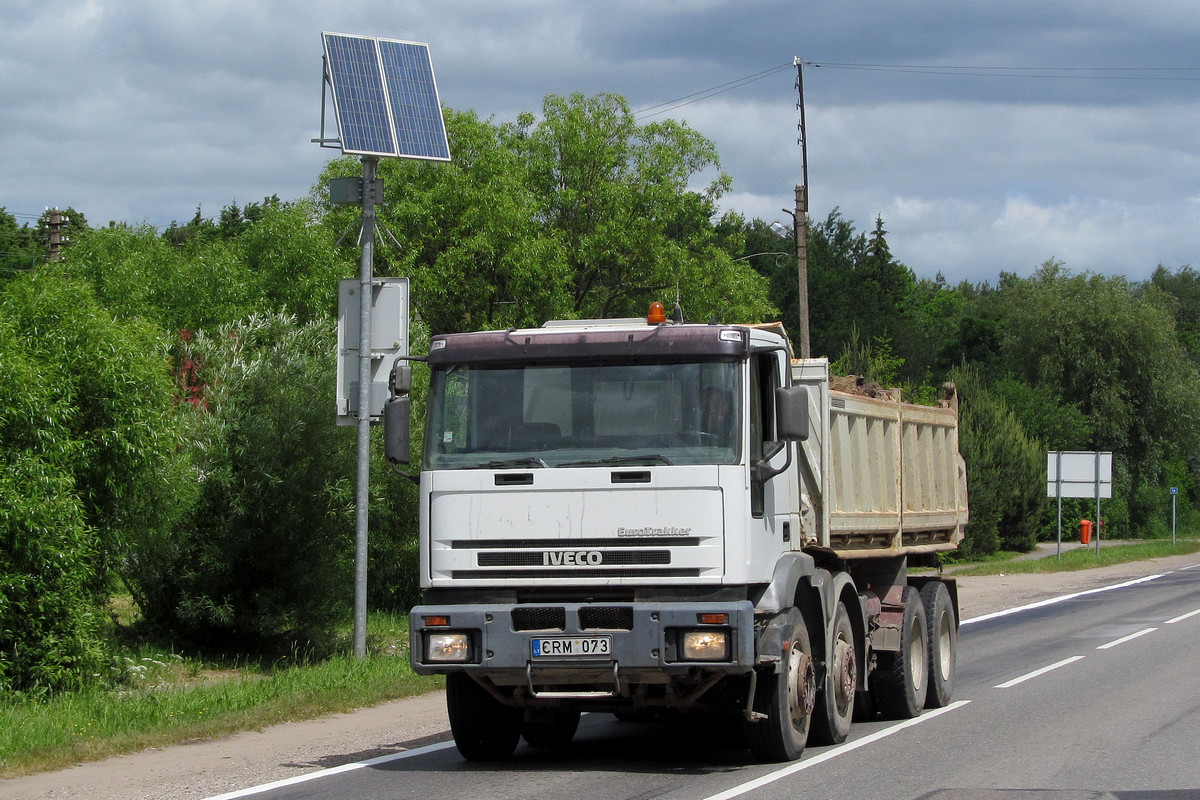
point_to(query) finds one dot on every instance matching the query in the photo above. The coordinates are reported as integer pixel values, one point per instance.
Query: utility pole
(800, 215)
(55, 240)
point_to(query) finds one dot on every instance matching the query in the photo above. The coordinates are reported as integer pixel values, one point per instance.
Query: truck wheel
(901, 678)
(835, 702)
(786, 698)
(943, 643)
(550, 729)
(484, 728)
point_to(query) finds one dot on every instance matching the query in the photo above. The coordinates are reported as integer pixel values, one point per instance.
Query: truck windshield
(593, 415)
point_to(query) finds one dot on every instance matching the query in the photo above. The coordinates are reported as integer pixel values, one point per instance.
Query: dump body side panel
(881, 477)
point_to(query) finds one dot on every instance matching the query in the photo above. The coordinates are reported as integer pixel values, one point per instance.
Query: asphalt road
(1097, 696)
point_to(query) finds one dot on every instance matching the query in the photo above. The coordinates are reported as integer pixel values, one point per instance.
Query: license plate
(573, 647)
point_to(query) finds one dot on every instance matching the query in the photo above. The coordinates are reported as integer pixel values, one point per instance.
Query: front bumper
(643, 644)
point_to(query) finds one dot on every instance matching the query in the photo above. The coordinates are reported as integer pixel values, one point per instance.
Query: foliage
(1045, 415)
(1005, 471)
(264, 557)
(279, 261)
(583, 214)
(1183, 287)
(86, 431)
(1113, 353)
(19, 247)
(265, 550)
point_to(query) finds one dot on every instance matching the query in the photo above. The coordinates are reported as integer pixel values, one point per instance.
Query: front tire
(484, 728)
(901, 678)
(787, 698)
(835, 703)
(943, 643)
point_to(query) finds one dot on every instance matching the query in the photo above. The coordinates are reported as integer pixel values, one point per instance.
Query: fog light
(448, 647)
(705, 645)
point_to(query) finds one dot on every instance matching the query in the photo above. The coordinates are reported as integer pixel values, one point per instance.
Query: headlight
(452, 648)
(705, 645)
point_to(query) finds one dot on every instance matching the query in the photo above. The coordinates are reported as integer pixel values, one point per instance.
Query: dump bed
(878, 476)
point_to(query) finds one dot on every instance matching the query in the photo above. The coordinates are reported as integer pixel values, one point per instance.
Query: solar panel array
(385, 97)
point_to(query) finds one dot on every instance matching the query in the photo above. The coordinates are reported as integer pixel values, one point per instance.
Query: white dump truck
(645, 517)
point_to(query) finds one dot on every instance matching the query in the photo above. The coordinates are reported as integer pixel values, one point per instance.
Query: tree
(87, 439)
(583, 214)
(280, 261)
(264, 556)
(1184, 287)
(19, 248)
(1005, 471)
(1112, 352)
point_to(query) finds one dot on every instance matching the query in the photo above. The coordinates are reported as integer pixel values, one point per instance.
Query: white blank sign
(1082, 471)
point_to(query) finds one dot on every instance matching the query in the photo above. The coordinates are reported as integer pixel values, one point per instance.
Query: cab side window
(764, 372)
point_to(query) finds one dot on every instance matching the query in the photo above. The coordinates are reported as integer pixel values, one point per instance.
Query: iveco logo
(572, 558)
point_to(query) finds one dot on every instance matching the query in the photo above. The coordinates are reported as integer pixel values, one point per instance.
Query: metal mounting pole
(362, 497)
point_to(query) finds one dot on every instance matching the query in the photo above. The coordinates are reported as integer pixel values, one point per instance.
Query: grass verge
(173, 701)
(1082, 558)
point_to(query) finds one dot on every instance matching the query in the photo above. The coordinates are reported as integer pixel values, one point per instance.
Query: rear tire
(786, 697)
(901, 679)
(835, 703)
(943, 643)
(484, 728)
(550, 729)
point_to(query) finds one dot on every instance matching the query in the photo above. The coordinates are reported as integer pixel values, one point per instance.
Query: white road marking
(1182, 617)
(829, 755)
(325, 773)
(1125, 639)
(1037, 672)
(1051, 601)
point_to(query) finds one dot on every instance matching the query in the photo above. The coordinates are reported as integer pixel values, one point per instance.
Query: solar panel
(385, 97)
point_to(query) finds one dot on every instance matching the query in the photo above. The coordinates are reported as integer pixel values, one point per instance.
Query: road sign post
(1174, 494)
(1074, 473)
(386, 103)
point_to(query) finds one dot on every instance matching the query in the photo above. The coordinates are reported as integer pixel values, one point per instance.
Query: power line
(991, 71)
(1043, 73)
(704, 94)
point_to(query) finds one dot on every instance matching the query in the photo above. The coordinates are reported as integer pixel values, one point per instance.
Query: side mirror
(791, 413)
(401, 379)
(397, 414)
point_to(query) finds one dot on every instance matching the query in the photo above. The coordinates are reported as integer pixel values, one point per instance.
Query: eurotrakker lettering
(649, 532)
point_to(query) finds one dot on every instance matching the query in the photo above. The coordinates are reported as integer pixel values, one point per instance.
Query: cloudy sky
(989, 135)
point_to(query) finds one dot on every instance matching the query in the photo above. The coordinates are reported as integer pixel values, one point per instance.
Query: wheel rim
(846, 680)
(945, 647)
(802, 687)
(916, 657)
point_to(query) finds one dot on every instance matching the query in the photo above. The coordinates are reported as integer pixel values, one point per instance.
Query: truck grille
(541, 574)
(539, 619)
(554, 618)
(527, 559)
(599, 618)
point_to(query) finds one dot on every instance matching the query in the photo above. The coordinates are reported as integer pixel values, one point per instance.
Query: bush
(265, 558)
(1005, 472)
(85, 434)
(266, 549)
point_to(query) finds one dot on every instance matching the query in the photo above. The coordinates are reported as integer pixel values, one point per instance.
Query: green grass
(166, 699)
(1080, 558)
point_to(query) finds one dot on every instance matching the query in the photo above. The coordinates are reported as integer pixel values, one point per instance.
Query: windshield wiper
(599, 462)
(527, 461)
